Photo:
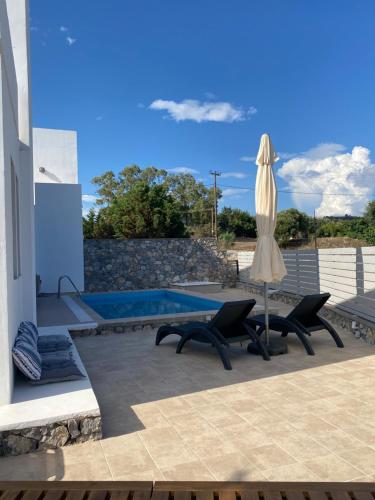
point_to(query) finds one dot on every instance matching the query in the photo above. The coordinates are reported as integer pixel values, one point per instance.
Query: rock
(73, 428)
(17, 445)
(91, 425)
(56, 438)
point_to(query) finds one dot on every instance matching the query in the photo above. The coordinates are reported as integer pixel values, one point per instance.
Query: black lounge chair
(226, 327)
(303, 320)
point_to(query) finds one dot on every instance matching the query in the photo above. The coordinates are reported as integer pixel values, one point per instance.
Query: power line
(290, 192)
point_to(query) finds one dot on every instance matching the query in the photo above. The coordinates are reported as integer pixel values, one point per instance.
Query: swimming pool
(146, 303)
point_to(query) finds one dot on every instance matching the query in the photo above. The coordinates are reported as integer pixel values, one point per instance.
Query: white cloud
(282, 156)
(320, 151)
(197, 111)
(99, 118)
(89, 198)
(233, 192)
(70, 41)
(64, 29)
(88, 202)
(324, 150)
(286, 156)
(183, 170)
(248, 158)
(236, 175)
(252, 111)
(326, 169)
(210, 95)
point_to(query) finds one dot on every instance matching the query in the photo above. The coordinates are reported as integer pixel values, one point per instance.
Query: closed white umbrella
(268, 264)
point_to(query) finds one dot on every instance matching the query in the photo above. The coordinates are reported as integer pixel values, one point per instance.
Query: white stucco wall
(17, 296)
(58, 231)
(56, 152)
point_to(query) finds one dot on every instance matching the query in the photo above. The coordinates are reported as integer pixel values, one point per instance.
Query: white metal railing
(65, 276)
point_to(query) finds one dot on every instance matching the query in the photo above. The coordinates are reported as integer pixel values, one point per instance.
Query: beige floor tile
(244, 434)
(296, 417)
(166, 447)
(333, 468)
(337, 441)
(340, 419)
(74, 453)
(363, 432)
(129, 463)
(311, 424)
(361, 458)
(299, 445)
(212, 445)
(245, 405)
(221, 422)
(142, 475)
(293, 472)
(192, 471)
(173, 407)
(93, 470)
(267, 457)
(233, 467)
(41, 466)
(261, 417)
(191, 424)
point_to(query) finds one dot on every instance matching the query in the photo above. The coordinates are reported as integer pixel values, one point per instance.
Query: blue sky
(193, 84)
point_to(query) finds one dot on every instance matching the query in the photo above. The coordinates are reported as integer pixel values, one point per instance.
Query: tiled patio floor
(183, 417)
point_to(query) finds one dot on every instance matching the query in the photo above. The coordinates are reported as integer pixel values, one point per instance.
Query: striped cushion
(26, 357)
(30, 331)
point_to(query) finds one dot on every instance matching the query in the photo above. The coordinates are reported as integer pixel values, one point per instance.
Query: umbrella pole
(266, 317)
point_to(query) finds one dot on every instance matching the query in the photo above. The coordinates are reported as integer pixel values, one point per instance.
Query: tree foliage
(291, 224)
(238, 222)
(153, 203)
(147, 203)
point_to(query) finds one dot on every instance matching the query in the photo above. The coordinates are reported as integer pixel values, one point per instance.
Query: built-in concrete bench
(199, 286)
(51, 415)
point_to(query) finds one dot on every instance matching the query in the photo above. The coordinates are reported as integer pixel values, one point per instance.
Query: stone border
(50, 436)
(141, 325)
(364, 329)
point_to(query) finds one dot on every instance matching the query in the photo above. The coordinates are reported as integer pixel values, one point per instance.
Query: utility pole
(215, 175)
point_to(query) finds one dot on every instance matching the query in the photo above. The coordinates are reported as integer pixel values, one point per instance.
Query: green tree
(369, 235)
(369, 215)
(195, 200)
(146, 212)
(130, 207)
(135, 204)
(239, 222)
(291, 224)
(88, 223)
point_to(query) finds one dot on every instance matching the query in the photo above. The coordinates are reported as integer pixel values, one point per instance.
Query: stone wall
(112, 265)
(50, 436)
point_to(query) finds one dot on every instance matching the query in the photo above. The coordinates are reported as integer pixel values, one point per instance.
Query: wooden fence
(348, 274)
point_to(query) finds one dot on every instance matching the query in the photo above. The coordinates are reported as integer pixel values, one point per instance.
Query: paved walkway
(183, 417)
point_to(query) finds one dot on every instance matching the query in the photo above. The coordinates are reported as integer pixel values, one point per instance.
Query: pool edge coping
(168, 318)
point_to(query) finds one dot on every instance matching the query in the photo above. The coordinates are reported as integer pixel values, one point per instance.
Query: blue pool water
(146, 303)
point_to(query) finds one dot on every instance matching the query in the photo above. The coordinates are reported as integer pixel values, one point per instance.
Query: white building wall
(58, 231)
(17, 295)
(58, 209)
(55, 151)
